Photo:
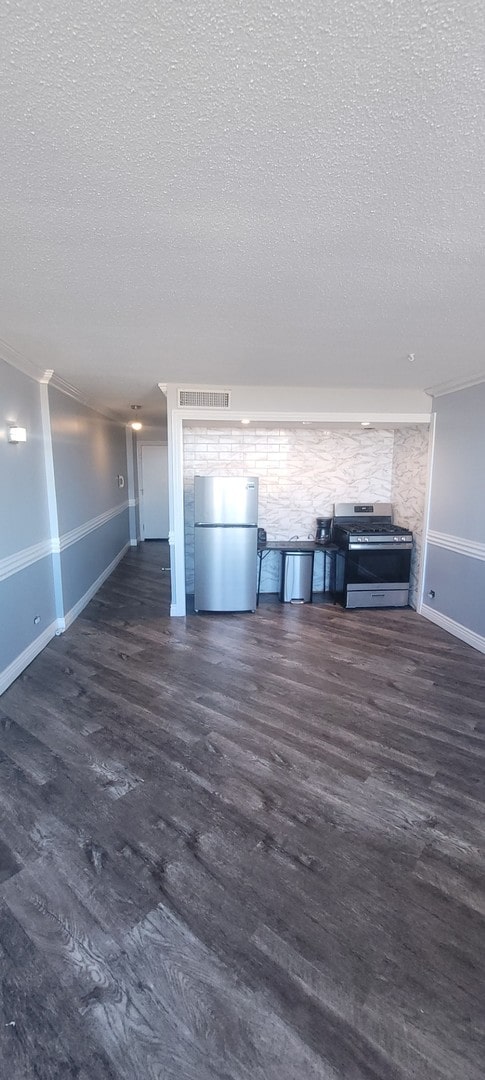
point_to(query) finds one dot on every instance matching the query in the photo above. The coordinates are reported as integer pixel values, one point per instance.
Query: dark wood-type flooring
(244, 847)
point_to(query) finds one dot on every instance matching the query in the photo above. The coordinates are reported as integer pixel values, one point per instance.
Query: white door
(153, 492)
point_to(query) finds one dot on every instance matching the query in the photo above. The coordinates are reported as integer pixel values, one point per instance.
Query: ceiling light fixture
(136, 426)
(411, 357)
(365, 423)
(245, 421)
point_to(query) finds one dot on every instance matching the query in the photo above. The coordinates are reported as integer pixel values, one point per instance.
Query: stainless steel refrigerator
(226, 530)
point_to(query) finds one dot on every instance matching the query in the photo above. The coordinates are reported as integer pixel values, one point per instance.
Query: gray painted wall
(23, 490)
(458, 483)
(459, 584)
(457, 511)
(29, 592)
(84, 562)
(25, 596)
(88, 452)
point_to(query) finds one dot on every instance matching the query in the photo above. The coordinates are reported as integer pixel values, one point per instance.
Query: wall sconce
(17, 434)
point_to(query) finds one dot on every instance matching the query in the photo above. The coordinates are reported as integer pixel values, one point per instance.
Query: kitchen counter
(296, 545)
(283, 546)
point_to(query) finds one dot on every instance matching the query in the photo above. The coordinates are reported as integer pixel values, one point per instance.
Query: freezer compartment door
(225, 569)
(226, 500)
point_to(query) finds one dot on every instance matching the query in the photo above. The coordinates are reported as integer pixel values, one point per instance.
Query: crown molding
(163, 387)
(72, 391)
(22, 363)
(455, 384)
(67, 388)
(47, 376)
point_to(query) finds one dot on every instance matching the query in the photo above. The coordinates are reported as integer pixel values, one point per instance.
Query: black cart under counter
(284, 547)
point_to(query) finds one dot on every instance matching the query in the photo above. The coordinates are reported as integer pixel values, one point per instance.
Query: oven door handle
(380, 547)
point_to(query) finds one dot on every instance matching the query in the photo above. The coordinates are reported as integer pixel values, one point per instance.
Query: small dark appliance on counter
(373, 558)
(262, 538)
(324, 525)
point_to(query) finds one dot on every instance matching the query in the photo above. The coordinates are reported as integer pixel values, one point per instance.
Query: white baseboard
(477, 641)
(12, 672)
(71, 615)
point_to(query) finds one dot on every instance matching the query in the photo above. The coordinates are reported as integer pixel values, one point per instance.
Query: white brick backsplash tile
(409, 473)
(302, 472)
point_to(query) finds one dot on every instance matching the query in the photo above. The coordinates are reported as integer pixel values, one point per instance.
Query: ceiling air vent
(205, 399)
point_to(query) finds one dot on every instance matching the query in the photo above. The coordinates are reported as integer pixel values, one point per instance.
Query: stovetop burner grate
(369, 521)
(374, 530)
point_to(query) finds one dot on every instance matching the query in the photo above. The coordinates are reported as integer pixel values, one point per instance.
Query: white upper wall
(269, 400)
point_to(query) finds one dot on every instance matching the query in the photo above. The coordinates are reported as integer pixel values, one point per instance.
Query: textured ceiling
(243, 192)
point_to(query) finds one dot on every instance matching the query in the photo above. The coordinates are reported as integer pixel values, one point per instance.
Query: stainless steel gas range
(374, 556)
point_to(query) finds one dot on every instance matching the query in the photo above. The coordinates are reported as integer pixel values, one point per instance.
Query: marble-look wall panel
(408, 490)
(302, 473)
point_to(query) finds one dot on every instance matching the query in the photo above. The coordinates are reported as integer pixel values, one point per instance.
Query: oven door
(377, 575)
(378, 564)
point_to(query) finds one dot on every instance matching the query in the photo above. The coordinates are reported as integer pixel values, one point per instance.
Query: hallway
(244, 847)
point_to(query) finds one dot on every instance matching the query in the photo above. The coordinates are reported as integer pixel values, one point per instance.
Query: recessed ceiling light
(245, 421)
(365, 423)
(411, 357)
